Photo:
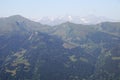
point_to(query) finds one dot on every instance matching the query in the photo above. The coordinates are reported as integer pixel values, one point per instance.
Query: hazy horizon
(39, 8)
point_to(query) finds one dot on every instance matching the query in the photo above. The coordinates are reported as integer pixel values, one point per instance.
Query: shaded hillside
(42, 57)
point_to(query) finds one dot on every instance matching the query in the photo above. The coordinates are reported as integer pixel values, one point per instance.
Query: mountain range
(55, 20)
(32, 51)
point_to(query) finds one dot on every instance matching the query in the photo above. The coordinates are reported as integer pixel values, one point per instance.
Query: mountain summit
(19, 23)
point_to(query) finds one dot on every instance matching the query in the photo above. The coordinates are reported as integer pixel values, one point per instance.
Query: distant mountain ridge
(55, 20)
(67, 31)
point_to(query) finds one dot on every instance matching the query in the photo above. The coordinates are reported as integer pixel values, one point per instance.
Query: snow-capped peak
(54, 20)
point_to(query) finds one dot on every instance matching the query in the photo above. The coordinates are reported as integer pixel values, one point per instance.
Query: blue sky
(38, 8)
